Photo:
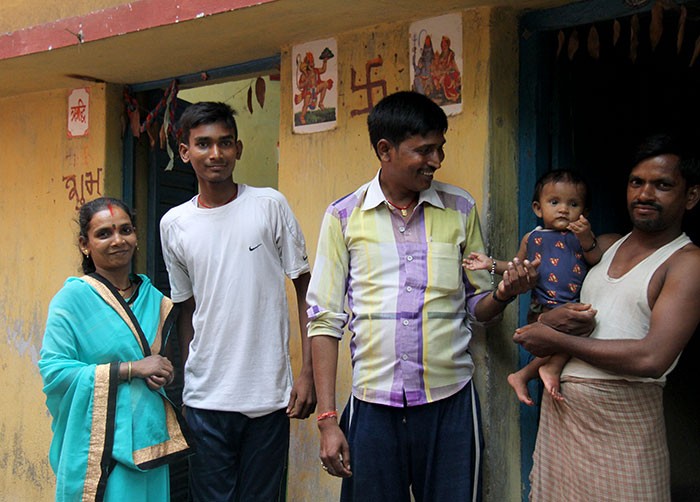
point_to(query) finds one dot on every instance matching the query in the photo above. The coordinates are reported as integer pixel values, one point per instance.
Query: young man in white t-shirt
(227, 251)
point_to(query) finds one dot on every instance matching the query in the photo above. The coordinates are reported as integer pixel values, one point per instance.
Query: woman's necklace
(126, 288)
(404, 210)
(199, 200)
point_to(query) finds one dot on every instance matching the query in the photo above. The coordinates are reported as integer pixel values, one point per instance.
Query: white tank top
(622, 305)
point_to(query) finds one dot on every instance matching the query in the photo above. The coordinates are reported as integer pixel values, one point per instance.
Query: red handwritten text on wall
(88, 183)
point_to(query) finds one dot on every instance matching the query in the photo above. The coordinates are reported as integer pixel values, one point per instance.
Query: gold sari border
(162, 453)
(98, 431)
(166, 306)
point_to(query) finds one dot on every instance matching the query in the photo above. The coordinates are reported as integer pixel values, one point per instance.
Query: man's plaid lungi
(605, 442)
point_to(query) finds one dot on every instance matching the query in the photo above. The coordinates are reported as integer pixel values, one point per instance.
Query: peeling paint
(37, 473)
(25, 338)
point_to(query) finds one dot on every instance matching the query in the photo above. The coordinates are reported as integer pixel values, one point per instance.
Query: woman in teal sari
(114, 430)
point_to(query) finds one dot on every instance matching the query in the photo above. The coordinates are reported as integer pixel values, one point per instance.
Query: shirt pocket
(445, 266)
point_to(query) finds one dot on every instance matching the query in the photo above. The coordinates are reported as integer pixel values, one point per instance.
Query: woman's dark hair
(85, 214)
(206, 112)
(404, 114)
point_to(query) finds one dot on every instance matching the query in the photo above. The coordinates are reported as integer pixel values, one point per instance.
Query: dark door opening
(588, 114)
(601, 108)
(167, 189)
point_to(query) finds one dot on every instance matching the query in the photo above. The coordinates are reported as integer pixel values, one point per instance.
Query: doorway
(594, 81)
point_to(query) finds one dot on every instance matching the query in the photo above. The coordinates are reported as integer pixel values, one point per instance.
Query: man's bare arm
(674, 317)
(302, 401)
(185, 329)
(334, 451)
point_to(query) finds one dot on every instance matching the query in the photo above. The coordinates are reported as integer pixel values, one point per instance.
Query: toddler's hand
(581, 228)
(477, 261)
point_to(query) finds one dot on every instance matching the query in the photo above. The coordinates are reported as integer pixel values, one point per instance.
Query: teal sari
(112, 440)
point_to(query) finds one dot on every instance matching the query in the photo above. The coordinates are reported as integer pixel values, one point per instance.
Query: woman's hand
(156, 370)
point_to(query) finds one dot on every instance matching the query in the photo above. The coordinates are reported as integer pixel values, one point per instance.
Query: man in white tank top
(606, 440)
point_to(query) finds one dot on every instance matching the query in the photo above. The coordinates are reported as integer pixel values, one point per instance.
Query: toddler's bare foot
(518, 381)
(550, 377)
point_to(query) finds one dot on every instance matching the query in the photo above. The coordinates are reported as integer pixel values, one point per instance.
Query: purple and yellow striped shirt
(407, 294)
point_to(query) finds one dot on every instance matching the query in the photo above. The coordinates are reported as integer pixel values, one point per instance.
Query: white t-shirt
(233, 260)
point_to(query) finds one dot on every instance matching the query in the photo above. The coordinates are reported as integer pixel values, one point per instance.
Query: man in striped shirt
(394, 247)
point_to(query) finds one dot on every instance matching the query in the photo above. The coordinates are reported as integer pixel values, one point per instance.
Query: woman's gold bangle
(128, 378)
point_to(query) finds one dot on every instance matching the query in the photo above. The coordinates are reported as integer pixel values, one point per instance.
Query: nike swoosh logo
(253, 248)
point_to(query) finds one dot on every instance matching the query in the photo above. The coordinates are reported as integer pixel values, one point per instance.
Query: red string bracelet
(328, 414)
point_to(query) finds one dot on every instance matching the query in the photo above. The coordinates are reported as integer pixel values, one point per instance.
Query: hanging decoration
(593, 43)
(561, 38)
(260, 91)
(696, 52)
(634, 37)
(573, 45)
(149, 125)
(168, 119)
(637, 31)
(259, 85)
(132, 110)
(681, 29)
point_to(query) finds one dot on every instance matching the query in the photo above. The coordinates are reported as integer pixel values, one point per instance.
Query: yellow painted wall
(40, 251)
(338, 161)
(314, 170)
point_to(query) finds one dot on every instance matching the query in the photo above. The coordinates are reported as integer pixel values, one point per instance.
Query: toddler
(567, 247)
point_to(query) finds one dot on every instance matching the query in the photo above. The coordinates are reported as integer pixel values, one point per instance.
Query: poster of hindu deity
(436, 60)
(315, 80)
